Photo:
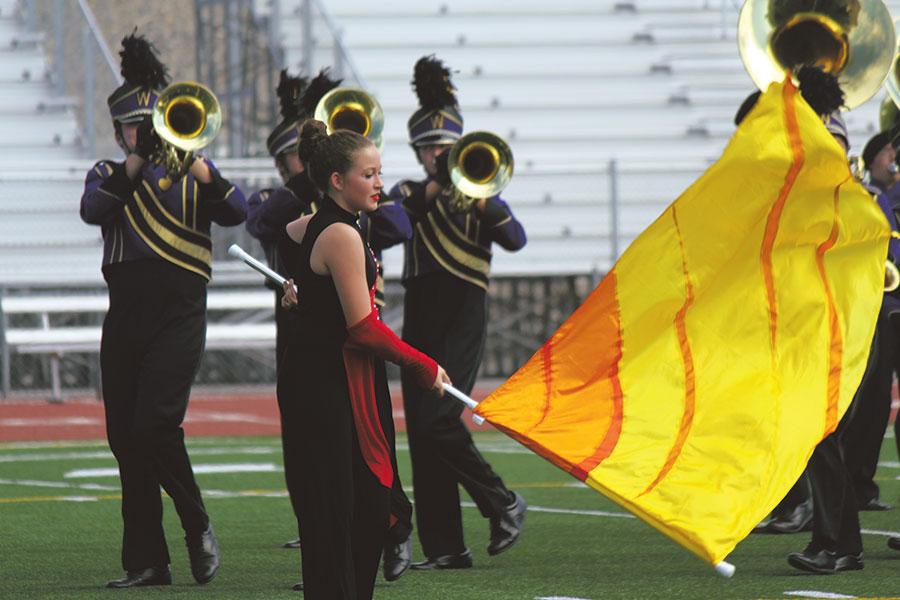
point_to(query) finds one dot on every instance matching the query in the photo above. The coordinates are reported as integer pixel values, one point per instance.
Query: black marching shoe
(144, 577)
(799, 519)
(203, 552)
(506, 528)
(397, 558)
(297, 587)
(875, 505)
(292, 544)
(824, 562)
(894, 543)
(447, 561)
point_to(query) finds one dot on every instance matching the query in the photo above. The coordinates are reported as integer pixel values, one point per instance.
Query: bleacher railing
(343, 65)
(93, 50)
(525, 308)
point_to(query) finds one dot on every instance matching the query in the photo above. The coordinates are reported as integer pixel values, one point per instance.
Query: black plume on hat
(320, 85)
(431, 81)
(140, 66)
(290, 92)
(821, 90)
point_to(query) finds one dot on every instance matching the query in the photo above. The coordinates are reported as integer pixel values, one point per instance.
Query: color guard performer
(156, 261)
(333, 384)
(446, 274)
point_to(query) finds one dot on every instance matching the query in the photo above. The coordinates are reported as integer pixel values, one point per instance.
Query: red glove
(373, 336)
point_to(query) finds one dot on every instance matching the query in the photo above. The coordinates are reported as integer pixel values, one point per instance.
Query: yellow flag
(693, 384)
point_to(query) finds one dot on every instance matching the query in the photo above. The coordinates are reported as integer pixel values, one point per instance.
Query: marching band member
(343, 456)
(156, 262)
(446, 271)
(269, 210)
(861, 441)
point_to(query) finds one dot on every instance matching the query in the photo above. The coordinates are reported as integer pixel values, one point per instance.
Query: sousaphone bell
(852, 39)
(353, 109)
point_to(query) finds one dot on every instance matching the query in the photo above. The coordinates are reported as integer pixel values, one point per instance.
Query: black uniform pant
(283, 333)
(445, 318)
(862, 437)
(835, 520)
(153, 338)
(835, 515)
(343, 509)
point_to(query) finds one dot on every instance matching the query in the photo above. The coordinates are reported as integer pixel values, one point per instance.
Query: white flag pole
(725, 569)
(238, 252)
(477, 419)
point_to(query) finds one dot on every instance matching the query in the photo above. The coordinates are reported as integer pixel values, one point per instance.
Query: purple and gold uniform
(139, 221)
(382, 228)
(863, 435)
(446, 274)
(157, 260)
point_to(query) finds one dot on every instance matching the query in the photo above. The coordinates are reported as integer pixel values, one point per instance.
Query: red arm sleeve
(372, 335)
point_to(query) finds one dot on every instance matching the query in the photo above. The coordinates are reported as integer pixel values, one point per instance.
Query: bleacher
(610, 107)
(571, 85)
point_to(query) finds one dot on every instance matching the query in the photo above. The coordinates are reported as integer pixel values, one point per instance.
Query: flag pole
(725, 569)
(477, 419)
(237, 252)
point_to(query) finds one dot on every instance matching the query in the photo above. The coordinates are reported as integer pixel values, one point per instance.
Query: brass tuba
(187, 117)
(353, 109)
(891, 276)
(480, 166)
(852, 39)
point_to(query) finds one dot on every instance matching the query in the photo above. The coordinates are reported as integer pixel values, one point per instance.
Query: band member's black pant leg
(862, 437)
(152, 343)
(445, 319)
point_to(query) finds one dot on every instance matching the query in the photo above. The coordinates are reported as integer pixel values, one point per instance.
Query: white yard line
(198, 469)
(815, 594)
(488, 448)
(60, 484)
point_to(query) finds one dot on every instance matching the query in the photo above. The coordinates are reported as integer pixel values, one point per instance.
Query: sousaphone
(852, 39)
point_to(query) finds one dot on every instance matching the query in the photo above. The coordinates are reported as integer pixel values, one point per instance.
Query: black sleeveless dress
(342, 474)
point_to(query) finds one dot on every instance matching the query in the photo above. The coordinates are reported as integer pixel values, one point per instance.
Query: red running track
(235, 414)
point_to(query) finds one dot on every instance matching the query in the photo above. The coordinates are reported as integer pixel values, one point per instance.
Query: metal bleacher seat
(569, 84)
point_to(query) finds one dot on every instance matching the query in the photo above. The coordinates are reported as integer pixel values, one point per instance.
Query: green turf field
(59, 536)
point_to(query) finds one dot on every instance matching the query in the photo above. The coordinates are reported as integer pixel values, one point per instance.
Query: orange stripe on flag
(687, 417)
(836, 345)
(774, 218)
(547, 358)
(574, 421)
(611, 437)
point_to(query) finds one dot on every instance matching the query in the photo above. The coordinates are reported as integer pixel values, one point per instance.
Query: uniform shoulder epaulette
(104, 168)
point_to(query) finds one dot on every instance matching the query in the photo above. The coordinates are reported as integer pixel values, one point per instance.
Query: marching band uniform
(446, 271)
(862, 438)
(156, 262)
(270, 209)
